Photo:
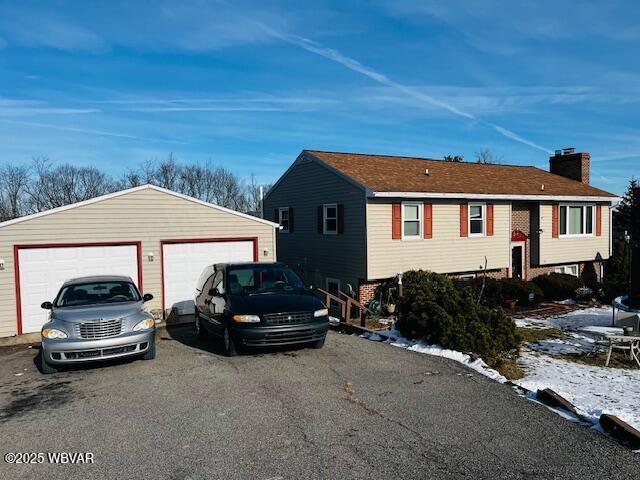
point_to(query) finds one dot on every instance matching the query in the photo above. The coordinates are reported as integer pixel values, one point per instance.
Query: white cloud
(103, 133)
(381, 78)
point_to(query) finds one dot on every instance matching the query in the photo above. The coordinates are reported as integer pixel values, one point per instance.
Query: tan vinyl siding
(446, 252)
(572, 249)
(306, 186)
(145, 215)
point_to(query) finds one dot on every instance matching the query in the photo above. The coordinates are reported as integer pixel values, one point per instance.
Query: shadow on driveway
(185, 333)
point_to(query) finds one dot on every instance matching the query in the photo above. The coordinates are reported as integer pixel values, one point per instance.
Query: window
(333, 286)
(262, 279)
(467, 276)
(576, 220)
(477, 219)
(330, 219)
(411, 220)
(94, 293)
(568, 269)
(283, 219)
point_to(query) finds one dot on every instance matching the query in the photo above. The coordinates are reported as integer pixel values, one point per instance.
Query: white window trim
(563, 267)
(280, 210)
(484, 219)
(420, 221)
(584, 220)
(325, 207)
(329, 280)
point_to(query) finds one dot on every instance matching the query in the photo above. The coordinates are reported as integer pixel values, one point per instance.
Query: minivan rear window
(255, 279)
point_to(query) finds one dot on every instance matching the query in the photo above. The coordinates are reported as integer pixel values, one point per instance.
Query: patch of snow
(593, 390)
(396, 339)
(592, 316)
(334, 320)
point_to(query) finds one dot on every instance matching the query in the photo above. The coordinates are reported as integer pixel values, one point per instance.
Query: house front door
(517, 256)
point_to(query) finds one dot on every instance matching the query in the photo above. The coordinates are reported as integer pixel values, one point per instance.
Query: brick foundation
(367, 291)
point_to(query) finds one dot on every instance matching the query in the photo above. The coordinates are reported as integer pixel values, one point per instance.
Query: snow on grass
(395, 338)
(593, 390)
(598, 316)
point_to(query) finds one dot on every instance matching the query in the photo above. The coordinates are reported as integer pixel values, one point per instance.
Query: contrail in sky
(352, 64)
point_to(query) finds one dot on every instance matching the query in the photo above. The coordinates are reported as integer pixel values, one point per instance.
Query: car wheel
(45, 368)
(318, 344)
(201, 332)
(150, 354)
(227, 343)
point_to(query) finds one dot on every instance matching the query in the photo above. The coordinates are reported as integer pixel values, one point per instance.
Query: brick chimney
(568, 163)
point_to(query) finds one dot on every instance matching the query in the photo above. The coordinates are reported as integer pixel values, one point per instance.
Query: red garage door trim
(16, 264)
(200, 240)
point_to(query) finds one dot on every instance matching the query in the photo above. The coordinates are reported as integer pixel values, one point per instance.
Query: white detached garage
(159, 238)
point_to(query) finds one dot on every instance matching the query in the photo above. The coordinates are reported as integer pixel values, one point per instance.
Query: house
(159, 238)
(349, 221)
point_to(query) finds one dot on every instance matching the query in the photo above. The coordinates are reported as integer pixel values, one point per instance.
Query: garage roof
(131, 190)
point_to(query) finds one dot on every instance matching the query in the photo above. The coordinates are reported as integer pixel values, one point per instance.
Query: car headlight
(323, 312)
(246, 318)
(144, 324)
(53, 333)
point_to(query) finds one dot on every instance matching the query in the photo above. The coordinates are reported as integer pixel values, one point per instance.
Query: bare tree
(47, 185)
(485, 155)
(57, 185)
(14, 182)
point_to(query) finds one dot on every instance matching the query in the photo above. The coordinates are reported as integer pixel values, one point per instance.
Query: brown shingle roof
(383, 173)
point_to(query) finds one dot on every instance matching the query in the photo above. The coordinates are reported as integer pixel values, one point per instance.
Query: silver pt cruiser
(96, 318)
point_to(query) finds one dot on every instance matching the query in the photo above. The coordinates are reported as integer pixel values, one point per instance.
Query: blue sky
(249, 84)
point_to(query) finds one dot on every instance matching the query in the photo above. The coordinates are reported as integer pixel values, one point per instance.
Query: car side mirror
(146, 297)
(46, 305)
(214, 292)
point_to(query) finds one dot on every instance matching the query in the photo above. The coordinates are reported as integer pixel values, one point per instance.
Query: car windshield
(93, 293)
(256, 279)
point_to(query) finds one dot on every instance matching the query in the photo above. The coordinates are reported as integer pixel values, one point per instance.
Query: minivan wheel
(45, 368)
(150, 354)
(201, 332)
(227, 343)
(318, 344)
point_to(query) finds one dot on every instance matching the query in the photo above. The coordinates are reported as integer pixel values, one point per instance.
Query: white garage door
(183, 263)
(44, 270)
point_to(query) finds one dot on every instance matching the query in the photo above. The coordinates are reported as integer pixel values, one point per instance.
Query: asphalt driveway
(355, 409)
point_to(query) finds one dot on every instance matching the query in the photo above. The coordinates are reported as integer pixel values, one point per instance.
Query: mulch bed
(544, 310)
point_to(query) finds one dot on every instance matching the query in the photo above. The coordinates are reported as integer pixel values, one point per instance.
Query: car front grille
(287, 318)
(99, 328)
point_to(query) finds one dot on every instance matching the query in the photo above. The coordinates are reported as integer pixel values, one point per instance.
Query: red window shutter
(396, 221)
(428, 220)
(598, 220)
(489, 219)
(320, 219)
(464, 219)
(290, 220)
(340, 218)
(555, 220)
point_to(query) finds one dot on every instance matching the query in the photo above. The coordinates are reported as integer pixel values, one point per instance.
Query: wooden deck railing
(346, 305)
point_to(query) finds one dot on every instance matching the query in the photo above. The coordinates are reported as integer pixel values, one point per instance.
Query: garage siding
(145, 215)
